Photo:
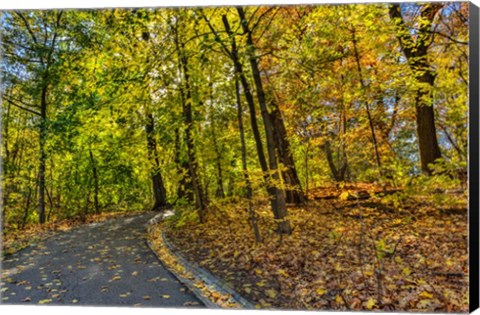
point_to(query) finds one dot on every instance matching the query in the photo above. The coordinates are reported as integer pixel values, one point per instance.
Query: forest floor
(365, 253)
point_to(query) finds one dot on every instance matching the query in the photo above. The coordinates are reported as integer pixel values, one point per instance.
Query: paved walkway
(100, 264)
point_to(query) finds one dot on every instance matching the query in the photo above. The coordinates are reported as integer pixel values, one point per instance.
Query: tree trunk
(416, 53)
(248, 184)
(27, 206)
(278, 198)
(426, 131)
(293, 193)
(186, 98)
(95, 182)
(159, 192)
(248, 95)
(42, 160)
(185, 189)
(220, 193)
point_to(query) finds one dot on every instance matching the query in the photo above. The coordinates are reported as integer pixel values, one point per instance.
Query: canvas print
(295, 157)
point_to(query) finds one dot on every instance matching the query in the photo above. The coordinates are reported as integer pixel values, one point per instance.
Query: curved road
(100, 264)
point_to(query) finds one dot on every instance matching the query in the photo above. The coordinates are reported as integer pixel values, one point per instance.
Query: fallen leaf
(370, 303)
(426, 295)
(321, 291)
(271, 293)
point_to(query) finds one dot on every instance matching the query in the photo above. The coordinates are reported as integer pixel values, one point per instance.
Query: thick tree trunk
(293, 192)
(426, 131)
(277, 195)
(416, 53)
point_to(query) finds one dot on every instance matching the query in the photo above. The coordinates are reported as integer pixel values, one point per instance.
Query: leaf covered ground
(344, 253)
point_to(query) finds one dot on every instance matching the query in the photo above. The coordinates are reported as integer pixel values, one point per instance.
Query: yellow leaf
(344, 195)
(146, 297)
(166, 296)
(426, 295)
(370, 303)
(260, 284)
(282, 272)
(45, 301)
(271, 293)
(406, 271)
(321, 291)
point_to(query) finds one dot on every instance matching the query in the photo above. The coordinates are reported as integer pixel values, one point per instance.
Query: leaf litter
(342, 255)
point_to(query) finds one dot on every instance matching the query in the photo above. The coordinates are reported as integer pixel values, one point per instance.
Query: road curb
(198, 274)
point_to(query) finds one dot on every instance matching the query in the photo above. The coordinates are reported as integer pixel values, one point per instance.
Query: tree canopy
(145, 108)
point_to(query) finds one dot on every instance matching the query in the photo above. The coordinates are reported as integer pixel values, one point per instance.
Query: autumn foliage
(319, 152)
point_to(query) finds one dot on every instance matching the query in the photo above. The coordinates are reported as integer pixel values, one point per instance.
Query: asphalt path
(100, 264)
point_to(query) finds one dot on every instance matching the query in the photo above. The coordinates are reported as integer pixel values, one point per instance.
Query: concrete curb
(199, 274)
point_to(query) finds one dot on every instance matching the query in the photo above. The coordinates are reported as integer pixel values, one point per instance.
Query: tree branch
(21, 107)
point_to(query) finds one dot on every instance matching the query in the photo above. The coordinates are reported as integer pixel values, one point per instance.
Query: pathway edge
(198, 274)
